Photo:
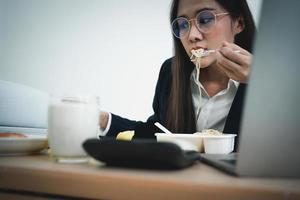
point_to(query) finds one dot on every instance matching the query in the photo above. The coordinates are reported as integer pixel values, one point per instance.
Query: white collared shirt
(211, 112)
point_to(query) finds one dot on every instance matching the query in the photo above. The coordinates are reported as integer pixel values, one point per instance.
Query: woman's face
(224, 30)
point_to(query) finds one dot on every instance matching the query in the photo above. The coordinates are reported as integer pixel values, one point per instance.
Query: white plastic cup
(72, 120)
(221, 144)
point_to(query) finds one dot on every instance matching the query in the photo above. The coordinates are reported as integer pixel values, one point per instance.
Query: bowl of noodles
(216, 142)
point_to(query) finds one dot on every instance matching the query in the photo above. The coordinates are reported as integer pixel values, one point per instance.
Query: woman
(187, 99)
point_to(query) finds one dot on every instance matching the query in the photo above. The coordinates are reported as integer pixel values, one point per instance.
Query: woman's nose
(194, 34)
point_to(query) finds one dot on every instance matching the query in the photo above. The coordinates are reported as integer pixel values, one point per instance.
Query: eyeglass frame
(196, 24)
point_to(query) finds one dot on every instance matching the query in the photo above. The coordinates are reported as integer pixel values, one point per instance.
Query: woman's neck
(213, 80)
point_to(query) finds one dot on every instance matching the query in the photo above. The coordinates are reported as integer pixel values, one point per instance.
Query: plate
(23, 146)
(24, 130)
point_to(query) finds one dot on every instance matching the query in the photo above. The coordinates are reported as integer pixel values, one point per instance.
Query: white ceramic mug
(71, 120)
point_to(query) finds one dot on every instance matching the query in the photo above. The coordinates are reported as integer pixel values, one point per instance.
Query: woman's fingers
(235, 47)
(235, 65)
(227, 63)
(234, 56)
(234, 61)
(229, 72)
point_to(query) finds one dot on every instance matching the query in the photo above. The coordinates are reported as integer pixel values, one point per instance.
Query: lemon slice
(125, 135)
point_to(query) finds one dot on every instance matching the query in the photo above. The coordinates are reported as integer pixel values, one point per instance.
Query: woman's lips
(195, 48)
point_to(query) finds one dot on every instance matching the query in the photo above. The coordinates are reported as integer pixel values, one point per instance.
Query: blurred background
(113, 49)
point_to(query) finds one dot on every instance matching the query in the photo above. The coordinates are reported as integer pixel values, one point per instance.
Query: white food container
(187, 142)
(220, 144)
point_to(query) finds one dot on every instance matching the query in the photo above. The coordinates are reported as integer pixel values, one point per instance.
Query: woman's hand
(235, 65)
(103, 120)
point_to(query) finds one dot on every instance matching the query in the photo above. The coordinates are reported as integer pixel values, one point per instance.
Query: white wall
(110, 48)
(113, 48)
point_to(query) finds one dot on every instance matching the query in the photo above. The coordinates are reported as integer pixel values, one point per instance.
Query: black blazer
(147, 129)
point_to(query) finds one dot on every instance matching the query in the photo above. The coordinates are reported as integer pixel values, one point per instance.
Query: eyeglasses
(204, 21)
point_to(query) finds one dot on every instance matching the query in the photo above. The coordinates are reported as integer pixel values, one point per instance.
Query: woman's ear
(239, 25)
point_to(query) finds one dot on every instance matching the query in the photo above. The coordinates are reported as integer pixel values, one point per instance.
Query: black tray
(140, 153)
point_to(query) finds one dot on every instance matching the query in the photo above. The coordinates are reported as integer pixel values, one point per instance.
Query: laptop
(269, 142)
(23, 109)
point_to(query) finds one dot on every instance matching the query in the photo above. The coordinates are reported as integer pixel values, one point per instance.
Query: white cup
(71, 120)
(219, 144)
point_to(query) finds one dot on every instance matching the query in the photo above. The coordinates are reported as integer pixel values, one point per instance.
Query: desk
(37, 177)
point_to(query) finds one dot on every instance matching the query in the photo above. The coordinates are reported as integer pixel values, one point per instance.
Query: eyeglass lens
(205, 20)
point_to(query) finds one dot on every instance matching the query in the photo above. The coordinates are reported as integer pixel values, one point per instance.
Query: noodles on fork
(196, 57)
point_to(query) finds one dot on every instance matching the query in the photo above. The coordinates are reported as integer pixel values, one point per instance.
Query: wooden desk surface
(93, 180)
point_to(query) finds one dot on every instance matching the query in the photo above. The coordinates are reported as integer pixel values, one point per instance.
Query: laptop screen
(270, 136)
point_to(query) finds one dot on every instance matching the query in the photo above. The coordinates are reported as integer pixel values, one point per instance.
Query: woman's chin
(206, 62)
(204, 67)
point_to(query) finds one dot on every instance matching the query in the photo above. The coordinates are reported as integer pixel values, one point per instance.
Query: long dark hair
(180, 115)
